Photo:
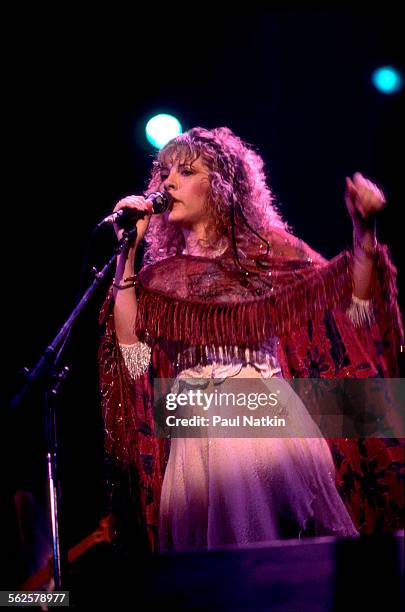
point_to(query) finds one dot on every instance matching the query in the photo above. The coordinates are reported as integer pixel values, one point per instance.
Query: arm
(364, 201)
(125, 304)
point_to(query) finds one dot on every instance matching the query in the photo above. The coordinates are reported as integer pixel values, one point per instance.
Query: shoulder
(284, 245)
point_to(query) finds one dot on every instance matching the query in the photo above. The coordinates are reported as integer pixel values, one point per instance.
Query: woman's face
(188, 184)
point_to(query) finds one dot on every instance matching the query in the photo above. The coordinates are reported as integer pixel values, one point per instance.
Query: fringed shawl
(196, 301)
(300, 298)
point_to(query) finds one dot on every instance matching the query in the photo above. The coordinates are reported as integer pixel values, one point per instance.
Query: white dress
(236, 491)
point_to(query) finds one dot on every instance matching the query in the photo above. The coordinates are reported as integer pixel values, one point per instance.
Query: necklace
(212, 253)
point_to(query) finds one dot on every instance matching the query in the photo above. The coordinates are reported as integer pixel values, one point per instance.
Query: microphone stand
(52, 376)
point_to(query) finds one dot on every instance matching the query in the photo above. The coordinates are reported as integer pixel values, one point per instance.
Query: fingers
(350, 196)
(367, 187)
(363, 198)
(350, 186)
(137, 202)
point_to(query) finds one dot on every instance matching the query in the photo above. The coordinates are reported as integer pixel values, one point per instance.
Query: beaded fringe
(286, 309)
(360, 312)
(136, 358)
(228, 355)
(251, 321)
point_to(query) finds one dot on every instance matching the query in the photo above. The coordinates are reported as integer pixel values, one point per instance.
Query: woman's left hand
(364, 200)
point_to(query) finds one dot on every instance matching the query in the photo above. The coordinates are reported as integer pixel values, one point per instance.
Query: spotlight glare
(162, 128)
(387, 79)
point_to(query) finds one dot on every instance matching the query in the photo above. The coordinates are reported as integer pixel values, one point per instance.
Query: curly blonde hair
(238, 191)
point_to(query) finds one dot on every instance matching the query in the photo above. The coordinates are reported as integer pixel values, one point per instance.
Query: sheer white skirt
(236, 491)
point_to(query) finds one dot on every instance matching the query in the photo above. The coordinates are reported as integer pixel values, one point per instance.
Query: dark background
(78, 90)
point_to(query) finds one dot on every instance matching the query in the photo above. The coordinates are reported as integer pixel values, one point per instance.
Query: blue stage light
(387, 79)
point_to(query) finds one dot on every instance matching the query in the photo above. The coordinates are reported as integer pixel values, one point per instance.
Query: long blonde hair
(237, 185)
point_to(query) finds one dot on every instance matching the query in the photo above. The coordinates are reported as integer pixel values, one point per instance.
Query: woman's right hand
(139, 203)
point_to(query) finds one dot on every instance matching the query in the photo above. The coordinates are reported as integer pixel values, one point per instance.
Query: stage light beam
(162, 128)
(387, 80)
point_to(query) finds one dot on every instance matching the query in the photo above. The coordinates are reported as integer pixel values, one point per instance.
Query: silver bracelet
(136, 358)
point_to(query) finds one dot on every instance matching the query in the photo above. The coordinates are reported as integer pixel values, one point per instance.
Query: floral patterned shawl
(197, 302)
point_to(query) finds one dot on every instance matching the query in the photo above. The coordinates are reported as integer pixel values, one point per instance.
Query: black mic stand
(52, 375)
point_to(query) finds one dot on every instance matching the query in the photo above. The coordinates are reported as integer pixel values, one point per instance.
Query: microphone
(160, 203)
